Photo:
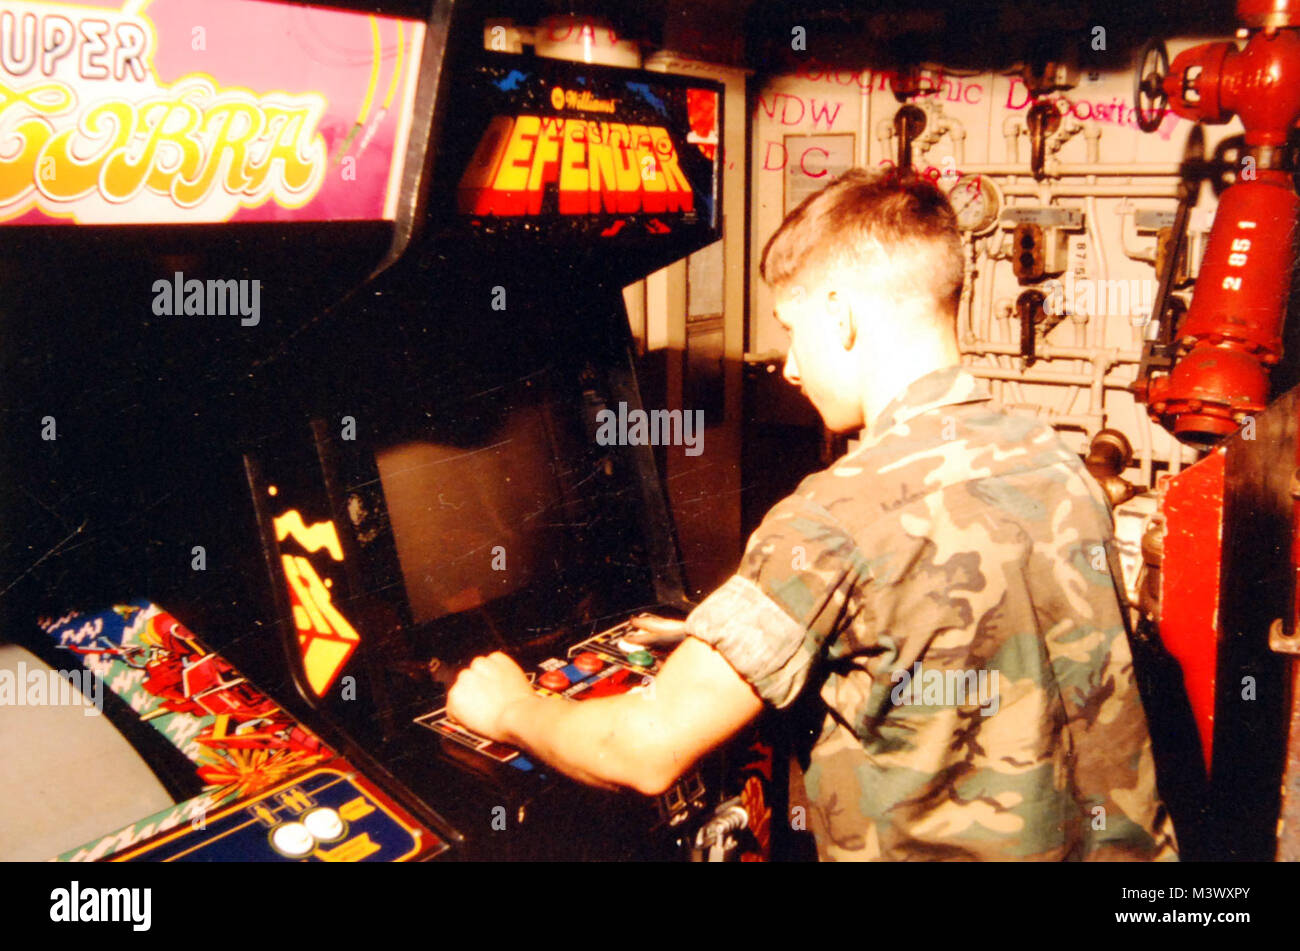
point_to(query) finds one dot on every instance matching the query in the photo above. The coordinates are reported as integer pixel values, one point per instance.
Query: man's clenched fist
(484, 690)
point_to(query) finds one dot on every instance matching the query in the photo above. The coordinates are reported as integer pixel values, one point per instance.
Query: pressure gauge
(976, 202)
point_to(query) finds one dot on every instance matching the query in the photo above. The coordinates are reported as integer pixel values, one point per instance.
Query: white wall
(1105, 167)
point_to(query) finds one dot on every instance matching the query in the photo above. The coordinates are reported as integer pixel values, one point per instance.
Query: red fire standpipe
(1232, 332)
(1233, 328)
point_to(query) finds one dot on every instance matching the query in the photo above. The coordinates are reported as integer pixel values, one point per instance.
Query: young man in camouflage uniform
(943, 589)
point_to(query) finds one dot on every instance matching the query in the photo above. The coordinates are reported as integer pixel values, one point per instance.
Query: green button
(641, 658)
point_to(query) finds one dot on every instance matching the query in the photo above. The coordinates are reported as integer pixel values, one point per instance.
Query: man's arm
(643, 741)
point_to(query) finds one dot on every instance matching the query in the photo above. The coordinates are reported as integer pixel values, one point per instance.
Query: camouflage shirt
(946, 588)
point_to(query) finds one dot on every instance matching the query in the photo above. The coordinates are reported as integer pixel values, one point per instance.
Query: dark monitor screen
(474, 524)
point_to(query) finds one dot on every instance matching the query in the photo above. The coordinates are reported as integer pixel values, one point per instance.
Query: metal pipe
(1096, 397)
(1092, 138)
(1060, 169)
(1097, 328)
(1146, 449)
(1011, 129)
(1052, 352)
(1083, 190)
(1125, 210)
(1029, 376)
(1085, 421)
(966, 306)
(958, 134)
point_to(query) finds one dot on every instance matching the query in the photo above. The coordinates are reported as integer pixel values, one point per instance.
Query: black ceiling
(975, 34)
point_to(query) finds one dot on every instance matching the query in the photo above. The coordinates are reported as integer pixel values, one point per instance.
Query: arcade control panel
(276, 789)
(331, 814)
(269, 787)
(607, 664)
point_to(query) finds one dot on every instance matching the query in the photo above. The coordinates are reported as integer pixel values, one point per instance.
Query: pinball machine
(276, 529)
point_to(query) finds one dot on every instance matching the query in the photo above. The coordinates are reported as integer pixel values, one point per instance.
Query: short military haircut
(889, 226)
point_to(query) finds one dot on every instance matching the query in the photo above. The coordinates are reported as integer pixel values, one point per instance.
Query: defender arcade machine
(349, 506)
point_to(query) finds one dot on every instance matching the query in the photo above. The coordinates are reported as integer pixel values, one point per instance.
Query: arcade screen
(489, 518)
(460, 515)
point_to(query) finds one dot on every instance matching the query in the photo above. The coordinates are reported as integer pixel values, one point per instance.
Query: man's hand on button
(484, 690)
(653, 631)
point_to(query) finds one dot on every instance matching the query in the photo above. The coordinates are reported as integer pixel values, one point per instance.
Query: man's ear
(841, 311)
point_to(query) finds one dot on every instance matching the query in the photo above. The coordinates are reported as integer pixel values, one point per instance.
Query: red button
(554, 680)
(588, 663)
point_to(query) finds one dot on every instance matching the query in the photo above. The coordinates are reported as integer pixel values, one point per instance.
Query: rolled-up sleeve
(786, 602)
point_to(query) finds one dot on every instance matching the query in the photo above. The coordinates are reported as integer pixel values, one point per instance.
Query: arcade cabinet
(275, 536)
